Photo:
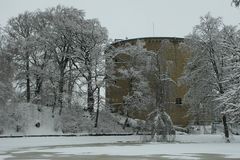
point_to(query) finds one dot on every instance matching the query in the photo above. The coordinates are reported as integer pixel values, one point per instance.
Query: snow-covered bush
(5, 120)
(74, 120)
(27, 118)
(12, 119)
(161, 127)
(20, 117)
(109, 123)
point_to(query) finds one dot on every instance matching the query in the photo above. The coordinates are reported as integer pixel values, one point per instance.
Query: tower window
(178, 100)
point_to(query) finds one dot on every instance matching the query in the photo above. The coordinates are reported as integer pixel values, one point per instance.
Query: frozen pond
(87, 152)
(117, 148)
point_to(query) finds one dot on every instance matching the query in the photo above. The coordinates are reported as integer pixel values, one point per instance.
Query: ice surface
(186, 147)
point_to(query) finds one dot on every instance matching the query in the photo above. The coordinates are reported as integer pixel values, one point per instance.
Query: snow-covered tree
(161, 126)
(40, 60)
(30, 53)
(158, 120)
(57, 52)
(212, 72)
(89, 42)
(20, 31)
(148, 81)
(6, 72)
(204, 71)
(57, 35)
(133, 68)
(230, 104)
(6, 79)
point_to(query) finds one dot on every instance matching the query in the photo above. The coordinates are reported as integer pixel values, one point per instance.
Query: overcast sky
(135, 18)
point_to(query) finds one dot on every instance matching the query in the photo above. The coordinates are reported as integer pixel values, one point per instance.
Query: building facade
(176, 59)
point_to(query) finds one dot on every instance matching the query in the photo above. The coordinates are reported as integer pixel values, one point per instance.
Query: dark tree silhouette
(236, 2)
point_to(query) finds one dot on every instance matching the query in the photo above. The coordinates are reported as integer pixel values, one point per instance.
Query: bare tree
(6, 72)
(20, 31)
(88, 59)
(132, 66)
(147, 80)
(6, 88)
(58, 35)
(159, 121)
(204, 73)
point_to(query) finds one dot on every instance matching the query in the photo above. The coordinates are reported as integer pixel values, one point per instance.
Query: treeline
(50, 56)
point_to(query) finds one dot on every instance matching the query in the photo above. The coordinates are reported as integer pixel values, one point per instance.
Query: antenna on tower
(153, 29)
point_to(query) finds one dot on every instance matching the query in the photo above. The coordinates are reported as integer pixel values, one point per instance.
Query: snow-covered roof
(147, 38)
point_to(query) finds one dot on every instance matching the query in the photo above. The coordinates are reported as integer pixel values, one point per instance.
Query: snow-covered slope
(31, 119)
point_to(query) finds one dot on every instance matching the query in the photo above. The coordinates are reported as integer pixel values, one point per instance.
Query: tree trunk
(125, 123)
(215, 68)
(54, 102)
(37, 91)
(226, 132)
(39, 82)
(70, 86)
(90, 96)
(61, 85)
(38, 85)
(28, 92)
(98, 105)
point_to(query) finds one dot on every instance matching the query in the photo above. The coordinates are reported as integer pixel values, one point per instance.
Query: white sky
(135, 18)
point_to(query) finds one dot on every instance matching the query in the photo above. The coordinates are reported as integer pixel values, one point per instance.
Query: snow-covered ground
(185, 147)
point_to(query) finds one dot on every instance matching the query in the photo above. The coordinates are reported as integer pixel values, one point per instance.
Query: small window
(178, 100)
